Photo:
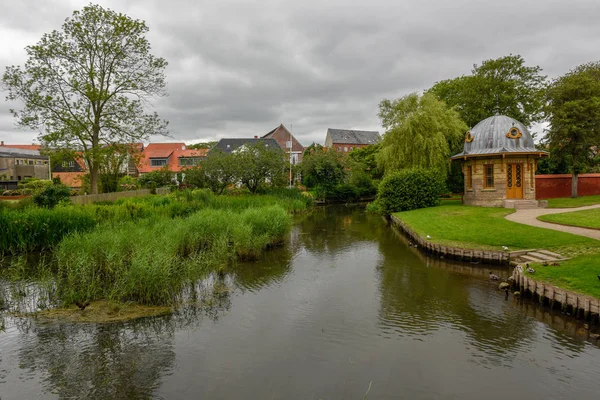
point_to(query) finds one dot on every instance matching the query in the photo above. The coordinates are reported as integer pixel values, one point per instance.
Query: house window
(68, 164)
(345, 149)
(188, 161)
(488, 176)
(158, 162)
(469, 177)
(30, 162)
(339, 149)
(351, 148)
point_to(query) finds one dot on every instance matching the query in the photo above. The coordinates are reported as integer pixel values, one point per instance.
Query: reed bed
(29, 229)
(150, 261)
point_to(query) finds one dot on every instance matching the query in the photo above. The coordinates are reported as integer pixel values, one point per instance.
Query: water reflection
(344, 303)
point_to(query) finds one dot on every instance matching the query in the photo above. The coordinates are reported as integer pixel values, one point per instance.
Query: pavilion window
(488, 176)
(469, 177)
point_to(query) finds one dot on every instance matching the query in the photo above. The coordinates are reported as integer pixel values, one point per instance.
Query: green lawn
(584, 218)
(567, 202)
(579, 274)
(486, 228)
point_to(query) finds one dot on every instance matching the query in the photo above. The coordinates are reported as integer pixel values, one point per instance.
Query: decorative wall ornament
(469, 137)
(514, 133)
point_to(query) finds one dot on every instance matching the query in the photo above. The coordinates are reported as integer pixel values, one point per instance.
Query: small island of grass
(584, 218)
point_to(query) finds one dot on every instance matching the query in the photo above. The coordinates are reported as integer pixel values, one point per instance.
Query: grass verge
(583, 218)
(486, 228)
(579, 274)
(568, 202)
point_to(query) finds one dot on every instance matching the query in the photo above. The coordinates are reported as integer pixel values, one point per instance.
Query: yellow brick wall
(494, 197)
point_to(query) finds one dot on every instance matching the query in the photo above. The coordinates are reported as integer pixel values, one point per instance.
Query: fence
(553, 186)
(92, 198)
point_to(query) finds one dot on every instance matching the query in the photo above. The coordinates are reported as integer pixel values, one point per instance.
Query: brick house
(175, 156)
(499, 160)
(284, 139)
(346, 140)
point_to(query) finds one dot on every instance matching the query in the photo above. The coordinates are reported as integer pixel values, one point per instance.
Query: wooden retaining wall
(580, 306)
(92, 198)
(453, 253)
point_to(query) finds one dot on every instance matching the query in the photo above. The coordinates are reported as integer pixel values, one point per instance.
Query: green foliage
(504, 85)
(198, 146)
(258, 164)
(362, 182)
(88, 84)
(409, 189)
(25, 228)
(322, 168)
(366, 159)
(218, 171)
(421, 132)
(52, 195)
(150, 262)
(344, 192)
(155, 179)
(127, 183)
(33, 186)
(574, 115)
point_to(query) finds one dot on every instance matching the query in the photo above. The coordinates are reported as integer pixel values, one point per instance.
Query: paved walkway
(529, 217)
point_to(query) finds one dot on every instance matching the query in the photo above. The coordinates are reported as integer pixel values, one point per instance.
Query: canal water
(345, 310)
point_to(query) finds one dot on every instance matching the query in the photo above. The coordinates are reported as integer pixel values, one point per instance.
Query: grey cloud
(239, 68)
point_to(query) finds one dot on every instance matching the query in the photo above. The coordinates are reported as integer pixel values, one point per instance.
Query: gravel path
(529, 217)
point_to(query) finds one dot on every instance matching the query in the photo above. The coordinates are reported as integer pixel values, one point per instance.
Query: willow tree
(86, 87)
(574, 114)
(421, 132)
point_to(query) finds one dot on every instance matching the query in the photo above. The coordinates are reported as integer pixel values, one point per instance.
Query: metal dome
(496, 135)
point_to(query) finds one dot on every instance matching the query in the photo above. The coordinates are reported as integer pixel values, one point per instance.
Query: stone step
(542, 256)
(532, 259)
(549, 253)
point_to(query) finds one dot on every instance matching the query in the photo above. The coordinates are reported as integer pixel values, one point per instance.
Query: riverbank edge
(453, 253)
(578, 305)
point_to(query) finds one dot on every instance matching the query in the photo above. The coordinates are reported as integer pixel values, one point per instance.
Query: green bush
(344, 192)
(52, 195)
(127, 183)
(363, 182)
(155, 179)
(33, 185)
(409, 189)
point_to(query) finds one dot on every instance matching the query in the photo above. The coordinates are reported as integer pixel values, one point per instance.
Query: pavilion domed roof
(496, 135)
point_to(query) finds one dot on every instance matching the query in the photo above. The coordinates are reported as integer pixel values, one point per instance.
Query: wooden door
(514, 181)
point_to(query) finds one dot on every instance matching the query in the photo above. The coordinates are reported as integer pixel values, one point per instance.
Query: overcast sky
(240, 68)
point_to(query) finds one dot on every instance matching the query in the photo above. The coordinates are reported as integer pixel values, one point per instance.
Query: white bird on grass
(504, 248)
(428, 237)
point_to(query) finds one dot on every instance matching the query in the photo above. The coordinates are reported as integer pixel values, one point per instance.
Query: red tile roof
(22, 146)
(172, 151)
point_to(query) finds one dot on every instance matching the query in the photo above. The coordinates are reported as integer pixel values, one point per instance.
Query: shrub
(127, 183)
(33, 185)
(409, 189)
(52, 195)
(160, 178)
(344, 192)
(363, 182)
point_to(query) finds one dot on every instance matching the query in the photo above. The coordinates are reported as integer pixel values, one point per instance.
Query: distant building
(18, 162)
(228, 146)
(175, 156)
(346, 140)
(286, 140)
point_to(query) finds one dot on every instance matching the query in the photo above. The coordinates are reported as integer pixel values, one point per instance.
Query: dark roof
(229, 145)
(489, 137)
(25, 153)
(347, 136)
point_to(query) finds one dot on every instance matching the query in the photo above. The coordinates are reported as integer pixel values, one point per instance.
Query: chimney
(255, 137)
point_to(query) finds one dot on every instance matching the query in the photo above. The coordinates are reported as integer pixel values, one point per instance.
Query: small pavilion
(499, 161)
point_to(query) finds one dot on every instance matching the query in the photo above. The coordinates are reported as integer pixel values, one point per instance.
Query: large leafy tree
(574, 114)
(216, 172)
(258, 165)
(86, 86)
(504, 85)
(322, 167)
(421, 132)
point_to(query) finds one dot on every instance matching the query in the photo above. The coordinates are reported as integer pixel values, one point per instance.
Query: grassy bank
(583, 218)
(579, 274)
(37, 229)
(486, 228)
(568, 202)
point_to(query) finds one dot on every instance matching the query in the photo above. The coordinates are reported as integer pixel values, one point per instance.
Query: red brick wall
(552, 186)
